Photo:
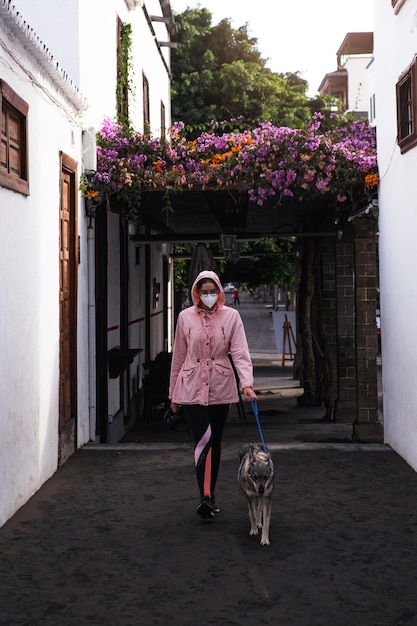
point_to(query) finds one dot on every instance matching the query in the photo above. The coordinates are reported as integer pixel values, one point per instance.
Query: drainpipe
(90, 166)
(91, 335)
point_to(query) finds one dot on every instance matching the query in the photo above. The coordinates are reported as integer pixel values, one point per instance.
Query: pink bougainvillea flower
(265, 162)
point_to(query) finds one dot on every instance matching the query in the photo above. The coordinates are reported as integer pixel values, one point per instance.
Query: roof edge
(33, 44)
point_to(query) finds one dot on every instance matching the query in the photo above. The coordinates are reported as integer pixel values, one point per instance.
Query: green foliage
(328, 106)
(219, 74)
(124, 75)
(269, 261)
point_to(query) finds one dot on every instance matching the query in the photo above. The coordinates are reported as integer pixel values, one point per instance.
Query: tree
(218, 74)
(268, 261)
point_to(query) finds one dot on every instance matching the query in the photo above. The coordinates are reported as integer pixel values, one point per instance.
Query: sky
(293, 35)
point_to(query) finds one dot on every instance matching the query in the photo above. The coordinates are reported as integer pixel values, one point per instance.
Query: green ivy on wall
(125, 73)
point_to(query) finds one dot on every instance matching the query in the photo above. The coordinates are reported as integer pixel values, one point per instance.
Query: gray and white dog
(256, 477)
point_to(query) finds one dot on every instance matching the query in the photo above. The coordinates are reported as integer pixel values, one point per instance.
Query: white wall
(394, 51)
(157, 311)
(154, 69)
(82, 35)
(29, 287)
(137, 311)
(372, 101)
(357, 82)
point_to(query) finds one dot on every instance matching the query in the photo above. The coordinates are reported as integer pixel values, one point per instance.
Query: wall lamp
(89, 204)
(228, 244)
(371, 208)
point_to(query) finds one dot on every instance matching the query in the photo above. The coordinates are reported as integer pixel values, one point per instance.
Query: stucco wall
(357, 82)
(29, 286)
(394, 51)
(82, 37)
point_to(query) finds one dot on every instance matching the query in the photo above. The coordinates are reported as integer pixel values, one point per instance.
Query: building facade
(396, 104)
(349, 81)
(83, 307)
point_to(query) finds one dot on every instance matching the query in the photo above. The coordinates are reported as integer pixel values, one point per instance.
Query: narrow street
(257, 318)
(112, 538)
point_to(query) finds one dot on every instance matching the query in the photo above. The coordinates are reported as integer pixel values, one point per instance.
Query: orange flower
(91, 194)
(218, 158)
(372, 180)
(158, 166)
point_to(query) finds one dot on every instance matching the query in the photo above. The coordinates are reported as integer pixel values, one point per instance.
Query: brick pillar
(297, 368)
(330, 322)
(345, 410)
(366, 427)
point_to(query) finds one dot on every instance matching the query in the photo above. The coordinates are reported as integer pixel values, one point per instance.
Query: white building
(396, 103)
(349, 81)
(40, 143)
(71, 371)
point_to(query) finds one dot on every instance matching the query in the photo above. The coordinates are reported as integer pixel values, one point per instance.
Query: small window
(407, 109)
(372, 112)
(146, 105)
(163, 121)
(13, 154)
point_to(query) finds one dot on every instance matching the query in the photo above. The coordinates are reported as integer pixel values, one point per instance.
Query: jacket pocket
(188, 372)
(223, 370)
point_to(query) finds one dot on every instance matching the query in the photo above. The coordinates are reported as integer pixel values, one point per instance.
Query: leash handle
(255, 410)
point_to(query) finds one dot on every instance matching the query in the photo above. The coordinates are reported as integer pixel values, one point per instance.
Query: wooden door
(67, 312)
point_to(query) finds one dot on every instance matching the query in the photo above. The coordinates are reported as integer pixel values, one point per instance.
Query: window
(13, 154)
(163, 121)
(407, 109)
(146, 106)
(372, 111)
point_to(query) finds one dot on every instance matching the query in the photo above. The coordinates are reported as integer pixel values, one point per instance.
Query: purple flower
(267, 161)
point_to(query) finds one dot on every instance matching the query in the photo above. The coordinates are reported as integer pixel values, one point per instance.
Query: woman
(202, 379)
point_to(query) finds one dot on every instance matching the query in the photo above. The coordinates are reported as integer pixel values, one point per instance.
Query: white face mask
(209, 299)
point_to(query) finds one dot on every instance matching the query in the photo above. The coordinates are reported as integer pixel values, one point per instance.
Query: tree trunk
(316, 366)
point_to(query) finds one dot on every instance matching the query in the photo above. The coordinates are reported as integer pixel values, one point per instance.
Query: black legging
(206, 425)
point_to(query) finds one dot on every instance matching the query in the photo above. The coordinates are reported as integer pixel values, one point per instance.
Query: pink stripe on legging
(207, 475)
(201, 444)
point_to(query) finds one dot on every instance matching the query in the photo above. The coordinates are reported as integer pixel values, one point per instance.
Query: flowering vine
(266, 161)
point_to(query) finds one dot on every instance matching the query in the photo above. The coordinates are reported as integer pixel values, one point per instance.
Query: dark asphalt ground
(113, 538)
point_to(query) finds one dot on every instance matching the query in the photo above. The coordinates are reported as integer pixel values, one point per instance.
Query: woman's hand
(174, 407)
(249, 393)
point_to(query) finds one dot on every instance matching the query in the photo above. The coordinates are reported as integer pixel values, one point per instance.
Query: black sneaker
(206, 509)
(216, 508)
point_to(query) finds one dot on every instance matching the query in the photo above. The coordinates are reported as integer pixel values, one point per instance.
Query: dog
(256, 477)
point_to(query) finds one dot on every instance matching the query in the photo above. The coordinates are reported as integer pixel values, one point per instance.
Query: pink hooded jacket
(201, 372)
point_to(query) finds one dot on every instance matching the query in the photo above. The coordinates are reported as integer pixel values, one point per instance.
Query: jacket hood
(209, 275)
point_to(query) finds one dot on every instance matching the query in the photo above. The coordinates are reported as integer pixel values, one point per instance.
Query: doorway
(68, 261)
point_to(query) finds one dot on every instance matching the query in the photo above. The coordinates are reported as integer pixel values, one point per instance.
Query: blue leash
(255, 410)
